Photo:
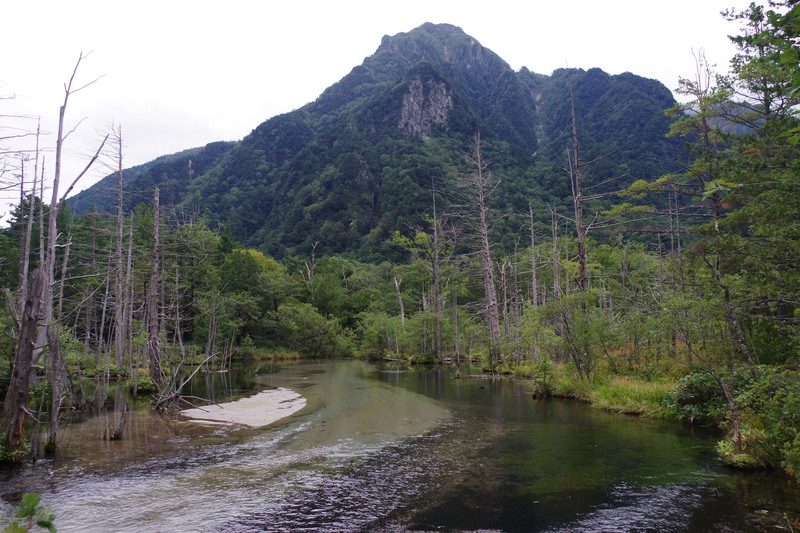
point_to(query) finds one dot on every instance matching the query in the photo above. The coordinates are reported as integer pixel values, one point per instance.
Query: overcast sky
(178, 74)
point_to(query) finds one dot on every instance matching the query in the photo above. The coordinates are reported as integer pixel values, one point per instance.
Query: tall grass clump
(629, 395)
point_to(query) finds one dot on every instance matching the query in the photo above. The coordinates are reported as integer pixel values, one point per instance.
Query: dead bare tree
(120, 333)
(39, 298)
(27, 231)
(153, 314)
(16, 401)
(580, 196)
(534, 262)
(482, 186)
(554, 256)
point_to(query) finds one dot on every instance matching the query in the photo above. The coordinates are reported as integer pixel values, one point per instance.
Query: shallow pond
(392, 448)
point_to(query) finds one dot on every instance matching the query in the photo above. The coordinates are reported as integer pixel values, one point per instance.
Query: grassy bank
(767, 407)
(617, 393)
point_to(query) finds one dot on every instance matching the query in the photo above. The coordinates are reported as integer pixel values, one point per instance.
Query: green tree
(300, 327)
(255, 285)
(761, 230)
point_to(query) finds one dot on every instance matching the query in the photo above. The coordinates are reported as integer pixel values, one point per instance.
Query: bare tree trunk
(41, 217)
(481, 190)
(732, 318)
(437, 313)
(46, 335)
(504, 304)
(120, 335)
(153, 318)
(534, 280)
(456, 336)
(102, 344)
(556, 275)
(178, 319)
(40, 341)
(516, 312)
(400, 301)
(576, 181)
(128, 291)
(16, 401)
(56, 368)
(27, 231)
(310, 267)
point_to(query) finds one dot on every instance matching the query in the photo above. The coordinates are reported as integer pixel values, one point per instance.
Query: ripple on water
(359, 497)
(635, 508)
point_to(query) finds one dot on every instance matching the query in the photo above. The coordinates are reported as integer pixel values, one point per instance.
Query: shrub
(770, 406)
(40, 395)
(767, 405)
(754, 450)
(7, 456)
(567, 383)
(791, 457)
(141, 384)
(698, 399)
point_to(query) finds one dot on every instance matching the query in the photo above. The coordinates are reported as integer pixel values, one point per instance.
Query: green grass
(621, 394)
(631, 395)
(278, 354)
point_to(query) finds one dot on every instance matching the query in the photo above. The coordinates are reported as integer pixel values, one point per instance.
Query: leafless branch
(86, 169)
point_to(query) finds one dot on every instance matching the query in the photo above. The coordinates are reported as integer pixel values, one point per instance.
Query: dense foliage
(342, 172)
(677, 284)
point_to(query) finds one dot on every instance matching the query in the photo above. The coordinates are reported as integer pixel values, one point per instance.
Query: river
(393, 448)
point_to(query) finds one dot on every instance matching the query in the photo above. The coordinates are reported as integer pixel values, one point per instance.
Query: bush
(7, 456)
(568, 384)
(770, 406)
(278, 354)
(754, 450)
(767, 405)
(791, 457)
(698, 399)
(247, 347)
(40, 395)
(141, 384)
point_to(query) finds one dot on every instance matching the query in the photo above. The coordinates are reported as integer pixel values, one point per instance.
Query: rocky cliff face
(426, 105)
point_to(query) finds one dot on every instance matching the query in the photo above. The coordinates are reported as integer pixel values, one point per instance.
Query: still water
(390, 448)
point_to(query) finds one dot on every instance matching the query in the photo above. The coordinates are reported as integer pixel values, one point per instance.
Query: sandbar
(256, 411)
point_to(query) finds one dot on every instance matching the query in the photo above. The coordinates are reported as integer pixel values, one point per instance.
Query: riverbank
(767, 433)
(617, 393)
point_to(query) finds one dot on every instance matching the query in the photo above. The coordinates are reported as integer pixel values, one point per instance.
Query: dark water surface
(389, 448)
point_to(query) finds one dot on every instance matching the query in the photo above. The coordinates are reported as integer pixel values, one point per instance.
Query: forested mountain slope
(358, 163)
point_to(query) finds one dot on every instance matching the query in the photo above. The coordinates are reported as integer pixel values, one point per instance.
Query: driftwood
(116, 434)
(171, 395)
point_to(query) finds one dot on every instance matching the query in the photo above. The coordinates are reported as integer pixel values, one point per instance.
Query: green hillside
(358, 163)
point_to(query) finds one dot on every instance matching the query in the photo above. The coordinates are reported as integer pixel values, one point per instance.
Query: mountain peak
(440, 44)
(348, 169)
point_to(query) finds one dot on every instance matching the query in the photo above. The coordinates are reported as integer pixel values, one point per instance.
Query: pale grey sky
(181, 73)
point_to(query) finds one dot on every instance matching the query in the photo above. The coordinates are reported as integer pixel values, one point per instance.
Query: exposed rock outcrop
(426, 105)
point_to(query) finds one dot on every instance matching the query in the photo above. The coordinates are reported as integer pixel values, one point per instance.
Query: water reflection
(396, 448)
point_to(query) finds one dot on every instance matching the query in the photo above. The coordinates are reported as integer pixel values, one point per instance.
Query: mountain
(172, 174)
(360, 161)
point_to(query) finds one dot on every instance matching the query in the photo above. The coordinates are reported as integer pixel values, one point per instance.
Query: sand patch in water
(256, 411)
